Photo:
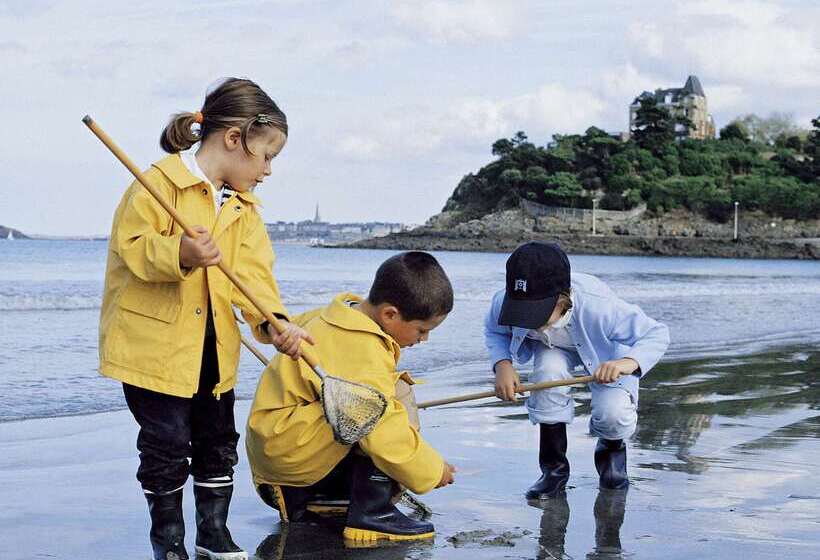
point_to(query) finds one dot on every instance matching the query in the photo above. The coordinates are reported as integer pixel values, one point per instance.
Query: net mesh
(351, 409)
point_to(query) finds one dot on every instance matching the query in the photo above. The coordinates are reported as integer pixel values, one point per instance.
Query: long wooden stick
(523, 389)
(307, 352)
(462, 398)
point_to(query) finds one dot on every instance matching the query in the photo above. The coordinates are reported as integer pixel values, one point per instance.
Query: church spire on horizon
(316, 218)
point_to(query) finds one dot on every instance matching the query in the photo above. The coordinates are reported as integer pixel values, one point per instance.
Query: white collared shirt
(189, 159)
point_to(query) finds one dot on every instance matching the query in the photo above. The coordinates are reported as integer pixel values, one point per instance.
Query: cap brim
(526, 313)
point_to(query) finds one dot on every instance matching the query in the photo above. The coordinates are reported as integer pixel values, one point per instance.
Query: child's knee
(614, 415)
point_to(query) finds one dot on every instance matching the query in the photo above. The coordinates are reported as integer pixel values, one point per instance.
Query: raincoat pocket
(157, 300)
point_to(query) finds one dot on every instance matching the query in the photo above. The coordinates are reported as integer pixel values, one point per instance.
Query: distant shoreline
(623, 245)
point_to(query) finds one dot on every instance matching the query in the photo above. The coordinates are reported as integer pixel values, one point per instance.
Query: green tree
(765, 130)
(734, 131)
(563, 189)
(812, 151)
(655, 126)
(502, 147)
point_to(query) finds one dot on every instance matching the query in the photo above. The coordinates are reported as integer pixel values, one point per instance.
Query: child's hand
(610, 371)
(447, 476)
(289, 341)
(201, 251)
(506, 381)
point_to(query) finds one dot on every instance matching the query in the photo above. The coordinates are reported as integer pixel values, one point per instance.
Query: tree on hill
(655, 127)
(704, 176)
(811, 150)
(766, 130)
(734, 131)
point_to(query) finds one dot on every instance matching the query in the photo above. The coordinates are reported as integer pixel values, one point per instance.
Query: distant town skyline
(389, 103)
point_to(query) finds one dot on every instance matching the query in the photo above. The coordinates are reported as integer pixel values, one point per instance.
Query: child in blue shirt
(571, 323)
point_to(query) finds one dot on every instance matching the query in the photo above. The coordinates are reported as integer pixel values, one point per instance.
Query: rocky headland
(11, 233)
(675, 233)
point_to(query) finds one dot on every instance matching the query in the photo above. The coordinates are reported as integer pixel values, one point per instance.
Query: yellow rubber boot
(371, 516)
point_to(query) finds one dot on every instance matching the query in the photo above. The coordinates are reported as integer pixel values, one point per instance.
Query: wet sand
(724, 465)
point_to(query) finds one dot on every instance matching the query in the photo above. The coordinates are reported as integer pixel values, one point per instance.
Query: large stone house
(688, 101)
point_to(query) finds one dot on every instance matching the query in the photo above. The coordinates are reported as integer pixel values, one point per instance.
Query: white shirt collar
(189, 159)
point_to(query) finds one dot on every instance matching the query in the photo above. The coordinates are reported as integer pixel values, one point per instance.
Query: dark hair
(234, 102)
(415, 283)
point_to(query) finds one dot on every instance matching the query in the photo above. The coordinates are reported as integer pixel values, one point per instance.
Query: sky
(389, 102)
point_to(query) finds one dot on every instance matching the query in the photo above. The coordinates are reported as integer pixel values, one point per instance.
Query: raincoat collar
(342, 315)
(178, 173)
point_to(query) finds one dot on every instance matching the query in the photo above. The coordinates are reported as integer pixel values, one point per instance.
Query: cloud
(733, 41)
(461, 21)
(473, 123)
(622, 83)
(723, 97)
(647, 37)
(766, 55)
(751, 13)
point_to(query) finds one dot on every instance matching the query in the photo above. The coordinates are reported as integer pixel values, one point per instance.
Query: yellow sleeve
(254, 266)
(143, 239)
(398, 449)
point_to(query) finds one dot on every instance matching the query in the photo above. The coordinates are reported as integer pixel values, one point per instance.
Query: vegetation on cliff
(779, 174)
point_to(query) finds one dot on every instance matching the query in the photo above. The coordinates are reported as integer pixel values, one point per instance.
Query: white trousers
(614, 405)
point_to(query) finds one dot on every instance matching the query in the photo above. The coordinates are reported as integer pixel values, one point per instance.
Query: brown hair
(234, 102)
(415, 283)
(564, 300)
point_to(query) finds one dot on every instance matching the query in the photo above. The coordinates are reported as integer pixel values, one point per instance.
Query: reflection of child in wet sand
(292, 453)
(566, 324)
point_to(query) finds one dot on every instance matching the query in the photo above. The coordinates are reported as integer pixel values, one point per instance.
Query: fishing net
(351, 409)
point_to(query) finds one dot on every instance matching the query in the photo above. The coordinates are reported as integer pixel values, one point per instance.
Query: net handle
(522, 389)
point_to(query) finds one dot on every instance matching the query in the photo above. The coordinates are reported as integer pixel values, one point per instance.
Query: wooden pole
(523, 389)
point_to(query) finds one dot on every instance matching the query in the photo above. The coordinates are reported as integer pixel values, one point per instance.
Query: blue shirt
(603, 327)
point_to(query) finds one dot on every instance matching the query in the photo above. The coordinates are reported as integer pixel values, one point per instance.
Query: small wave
(43, 302)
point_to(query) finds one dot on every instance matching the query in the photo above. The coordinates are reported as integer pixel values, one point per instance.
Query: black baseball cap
(537, 273)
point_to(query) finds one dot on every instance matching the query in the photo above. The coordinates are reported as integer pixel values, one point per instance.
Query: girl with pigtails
(167, 328)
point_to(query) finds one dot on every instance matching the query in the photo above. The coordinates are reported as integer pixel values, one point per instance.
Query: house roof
(691, 87)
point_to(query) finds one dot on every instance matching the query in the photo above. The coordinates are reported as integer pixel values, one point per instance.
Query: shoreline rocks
(676, 233)
(746, 248)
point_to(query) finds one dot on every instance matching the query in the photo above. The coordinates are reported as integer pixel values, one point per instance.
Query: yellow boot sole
(365, 536)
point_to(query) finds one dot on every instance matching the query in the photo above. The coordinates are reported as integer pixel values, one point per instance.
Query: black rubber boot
(552, 458)
(371, 515)
(213, 540)
(167, 526)
(610, 461)
(296, 501)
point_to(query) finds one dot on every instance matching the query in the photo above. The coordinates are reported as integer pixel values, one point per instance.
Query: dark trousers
(334, 486)
(172, 429)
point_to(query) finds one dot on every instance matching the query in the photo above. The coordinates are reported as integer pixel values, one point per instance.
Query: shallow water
(723, 465)
(50, 296)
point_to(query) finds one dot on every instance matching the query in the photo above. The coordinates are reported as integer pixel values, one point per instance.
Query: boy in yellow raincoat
(291, 450)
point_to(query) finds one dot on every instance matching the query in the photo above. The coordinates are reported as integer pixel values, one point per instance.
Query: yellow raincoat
(288, 440)
(152, 321)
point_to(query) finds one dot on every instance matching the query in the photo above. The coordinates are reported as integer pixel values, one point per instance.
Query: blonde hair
(234, 102)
